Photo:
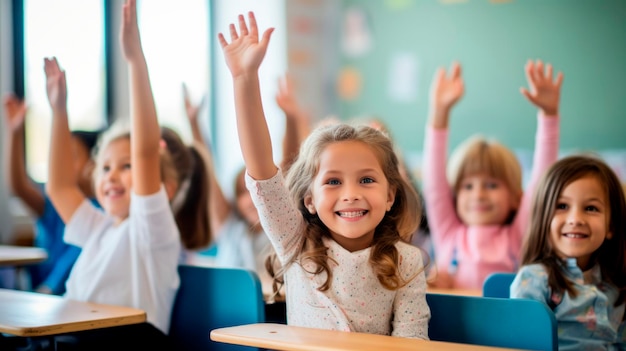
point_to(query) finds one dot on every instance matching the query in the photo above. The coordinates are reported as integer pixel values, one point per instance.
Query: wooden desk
(21, 255)
(464, 292)
(290, 338)
(32, 314)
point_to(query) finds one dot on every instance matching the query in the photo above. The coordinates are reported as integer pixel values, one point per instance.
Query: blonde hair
(478, 155)
(398, 224)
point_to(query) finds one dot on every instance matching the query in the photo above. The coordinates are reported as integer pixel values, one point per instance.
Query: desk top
(291, 338)
(21, 255)
(464, 292)
(33, 314)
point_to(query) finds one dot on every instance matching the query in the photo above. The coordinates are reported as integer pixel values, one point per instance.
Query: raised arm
(62, 185)
(145, 130)
(297, 122)
(219, 206)
(545, 91)
(193, 111)
(445, 92)
(244, 55)
(19, 183)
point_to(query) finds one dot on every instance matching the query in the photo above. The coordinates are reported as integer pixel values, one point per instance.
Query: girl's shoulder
(409, 253)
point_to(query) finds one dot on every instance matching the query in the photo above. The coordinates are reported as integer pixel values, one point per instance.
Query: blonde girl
(477, 217)
(338, 221)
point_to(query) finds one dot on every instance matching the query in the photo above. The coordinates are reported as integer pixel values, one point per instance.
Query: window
(73, 31)
(175, 40)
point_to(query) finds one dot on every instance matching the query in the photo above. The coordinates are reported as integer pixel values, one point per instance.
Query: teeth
(352, 214)
(571, 235)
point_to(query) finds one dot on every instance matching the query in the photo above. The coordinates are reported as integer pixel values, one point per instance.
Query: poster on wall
(356, 39)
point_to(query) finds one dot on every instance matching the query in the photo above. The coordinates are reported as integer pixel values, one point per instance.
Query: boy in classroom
(477, 210)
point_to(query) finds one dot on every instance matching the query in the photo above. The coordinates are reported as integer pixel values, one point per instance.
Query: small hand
(55, 84)
(445, 90)
(286, 98)
(129, 33)
(15, 112)
(245, 52)
(192, 110)
(544, 91)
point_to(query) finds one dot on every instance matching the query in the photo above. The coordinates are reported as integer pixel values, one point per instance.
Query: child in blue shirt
(574, 259)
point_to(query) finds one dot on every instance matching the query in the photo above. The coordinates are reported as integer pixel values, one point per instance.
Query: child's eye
(106, 169)
(467, 186)
(126, 166)
(333, 182)
(592, 209)
(491, 185)
(367, 180)
(561, 206)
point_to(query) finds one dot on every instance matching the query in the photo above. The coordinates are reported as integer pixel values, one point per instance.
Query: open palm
(55, 84)
(245, 52)
(447, 90)
(15, 109)
(545, 91)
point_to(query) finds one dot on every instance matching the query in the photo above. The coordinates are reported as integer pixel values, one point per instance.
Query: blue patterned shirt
(589, 321)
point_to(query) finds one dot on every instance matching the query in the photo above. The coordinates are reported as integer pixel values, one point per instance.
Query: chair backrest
(498, 285)
(514, 323)
(212, 297)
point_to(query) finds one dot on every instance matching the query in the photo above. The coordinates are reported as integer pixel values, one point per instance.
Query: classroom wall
(409, 39)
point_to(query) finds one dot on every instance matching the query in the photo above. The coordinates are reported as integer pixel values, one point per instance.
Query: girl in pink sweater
(478, 213)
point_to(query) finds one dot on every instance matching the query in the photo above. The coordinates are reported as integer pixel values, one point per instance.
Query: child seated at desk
(338, 221)
(130, 252)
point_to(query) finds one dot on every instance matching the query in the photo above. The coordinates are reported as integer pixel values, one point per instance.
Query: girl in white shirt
(341, 220)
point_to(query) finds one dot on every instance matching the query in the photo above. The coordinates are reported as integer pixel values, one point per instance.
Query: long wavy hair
(611, 256)
(398, 224)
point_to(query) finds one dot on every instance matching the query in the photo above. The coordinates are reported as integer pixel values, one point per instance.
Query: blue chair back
(513, 323)
(212, 297)
(498, 285)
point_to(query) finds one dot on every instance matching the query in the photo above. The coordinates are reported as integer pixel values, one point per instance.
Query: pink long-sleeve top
(466, 255)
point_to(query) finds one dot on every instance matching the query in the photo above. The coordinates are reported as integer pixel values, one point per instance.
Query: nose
(351, 193)
(575, 218)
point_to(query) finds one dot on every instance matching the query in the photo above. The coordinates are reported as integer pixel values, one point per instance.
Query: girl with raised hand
(574, 258)
(338, 220)
(130, 252)
(478, 216)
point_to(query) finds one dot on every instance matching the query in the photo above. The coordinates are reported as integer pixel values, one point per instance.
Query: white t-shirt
(133, 264)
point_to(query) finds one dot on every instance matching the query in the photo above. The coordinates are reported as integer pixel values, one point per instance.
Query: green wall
(584, 39)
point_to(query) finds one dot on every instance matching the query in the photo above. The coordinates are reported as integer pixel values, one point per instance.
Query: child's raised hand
(129, 34)
(245, 52)
(55, 85)
(447, 90)
(544, 91)
(15, 112)
(192, 110)
(286, 97)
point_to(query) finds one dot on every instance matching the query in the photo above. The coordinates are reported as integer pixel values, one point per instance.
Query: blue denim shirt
(588, 322)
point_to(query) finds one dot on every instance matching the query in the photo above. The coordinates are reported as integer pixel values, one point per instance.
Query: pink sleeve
(546, 153)
(438, 196)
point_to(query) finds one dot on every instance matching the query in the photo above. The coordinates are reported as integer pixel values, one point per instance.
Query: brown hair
(611, 256)
(191, 202)
(478, 155)
(398, 224)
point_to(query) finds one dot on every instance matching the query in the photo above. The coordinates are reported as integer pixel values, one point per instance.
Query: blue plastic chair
(212, 297)
(498, 285)
(513, 323)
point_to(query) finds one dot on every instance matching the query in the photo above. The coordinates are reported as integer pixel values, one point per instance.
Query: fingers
(266, 37)
(243, 28)
(233, 32)
(559, 79)
(222, 40)
(455, 71)
(254, 29)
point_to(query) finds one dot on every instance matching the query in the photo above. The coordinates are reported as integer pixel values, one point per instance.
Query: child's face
(350, 193)
(114, 180)
(484, 200)
(580, 222)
